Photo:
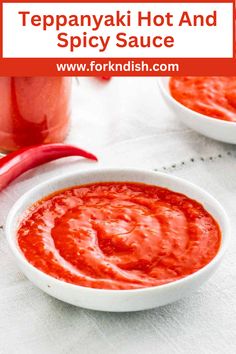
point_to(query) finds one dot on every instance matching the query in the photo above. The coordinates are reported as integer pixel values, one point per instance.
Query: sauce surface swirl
(118, 235)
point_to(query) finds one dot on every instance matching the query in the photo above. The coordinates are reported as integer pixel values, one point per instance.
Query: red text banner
(126, 38)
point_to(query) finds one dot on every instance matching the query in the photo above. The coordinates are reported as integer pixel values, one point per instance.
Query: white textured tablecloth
(127, 124)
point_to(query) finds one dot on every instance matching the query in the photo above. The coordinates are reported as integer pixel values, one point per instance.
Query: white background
(31, 42)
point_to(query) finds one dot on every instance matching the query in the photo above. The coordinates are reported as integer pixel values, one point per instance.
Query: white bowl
(211, 127)
(116, 300)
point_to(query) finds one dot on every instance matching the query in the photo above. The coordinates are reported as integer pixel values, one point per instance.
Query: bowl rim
(12, 239)
(201, 116)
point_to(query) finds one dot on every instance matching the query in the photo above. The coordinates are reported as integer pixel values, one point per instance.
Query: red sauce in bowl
(118, 235)
(212, 96)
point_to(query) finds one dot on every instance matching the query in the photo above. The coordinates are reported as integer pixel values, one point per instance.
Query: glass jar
(33, 110)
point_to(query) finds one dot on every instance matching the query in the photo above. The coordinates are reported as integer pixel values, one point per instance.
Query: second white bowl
(211, 127)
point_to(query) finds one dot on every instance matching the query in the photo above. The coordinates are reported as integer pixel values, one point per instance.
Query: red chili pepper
(106, 78)
(20, 161)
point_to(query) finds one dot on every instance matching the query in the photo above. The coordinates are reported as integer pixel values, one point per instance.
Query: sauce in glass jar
(33, 110)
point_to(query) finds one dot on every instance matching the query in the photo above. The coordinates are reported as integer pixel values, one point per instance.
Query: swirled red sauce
(212, 96)
(118, 235)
